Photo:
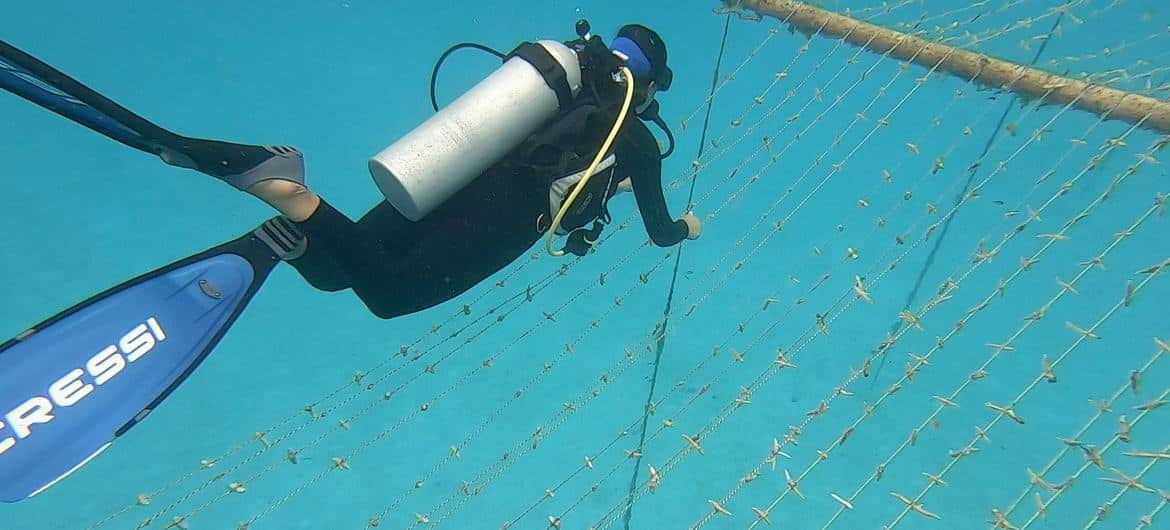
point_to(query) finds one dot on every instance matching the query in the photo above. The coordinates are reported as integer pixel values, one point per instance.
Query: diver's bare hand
(694, 226)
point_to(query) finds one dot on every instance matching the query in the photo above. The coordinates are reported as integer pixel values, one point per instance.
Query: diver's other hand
(694, 226)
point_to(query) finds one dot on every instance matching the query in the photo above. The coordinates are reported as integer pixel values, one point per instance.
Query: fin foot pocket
(240, 165)
(283, 237)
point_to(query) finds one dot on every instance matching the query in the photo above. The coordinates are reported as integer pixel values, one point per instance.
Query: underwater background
(825, 171)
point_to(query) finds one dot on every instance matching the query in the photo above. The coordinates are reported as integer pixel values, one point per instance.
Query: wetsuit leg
(474, 235)
(398, 267)
(332, 239)
(321, 270)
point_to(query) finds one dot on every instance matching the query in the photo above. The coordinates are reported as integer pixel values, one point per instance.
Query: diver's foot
(292, 199)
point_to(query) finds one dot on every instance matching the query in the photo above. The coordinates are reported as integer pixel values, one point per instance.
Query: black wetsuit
(398, 267)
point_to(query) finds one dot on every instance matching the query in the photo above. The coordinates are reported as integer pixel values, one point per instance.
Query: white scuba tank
(446, 152)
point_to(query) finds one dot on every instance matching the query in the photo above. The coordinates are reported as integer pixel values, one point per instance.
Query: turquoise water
(341, 80)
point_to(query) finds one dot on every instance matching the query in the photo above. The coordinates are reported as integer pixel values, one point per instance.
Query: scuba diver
(535, 150)
(398, 265)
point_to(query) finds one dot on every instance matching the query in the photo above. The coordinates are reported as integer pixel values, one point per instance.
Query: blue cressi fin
(72, 384)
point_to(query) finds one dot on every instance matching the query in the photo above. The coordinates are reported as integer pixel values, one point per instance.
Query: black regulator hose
(439, 64)
(662, 125)
(651, 113)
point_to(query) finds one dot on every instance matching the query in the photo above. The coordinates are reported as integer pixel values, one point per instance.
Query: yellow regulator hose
(556, 224)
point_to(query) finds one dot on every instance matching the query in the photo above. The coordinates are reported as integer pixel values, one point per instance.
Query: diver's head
(646, 58)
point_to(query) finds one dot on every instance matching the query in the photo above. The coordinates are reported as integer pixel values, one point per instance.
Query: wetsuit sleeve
(637, 156)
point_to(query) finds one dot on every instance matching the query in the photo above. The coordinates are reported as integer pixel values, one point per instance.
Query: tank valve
(583, 28)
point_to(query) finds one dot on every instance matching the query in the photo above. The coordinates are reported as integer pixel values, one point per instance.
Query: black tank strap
(553, 73)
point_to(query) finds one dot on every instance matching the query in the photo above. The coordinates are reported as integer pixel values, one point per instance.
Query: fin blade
(30, 78)
(86, 376)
